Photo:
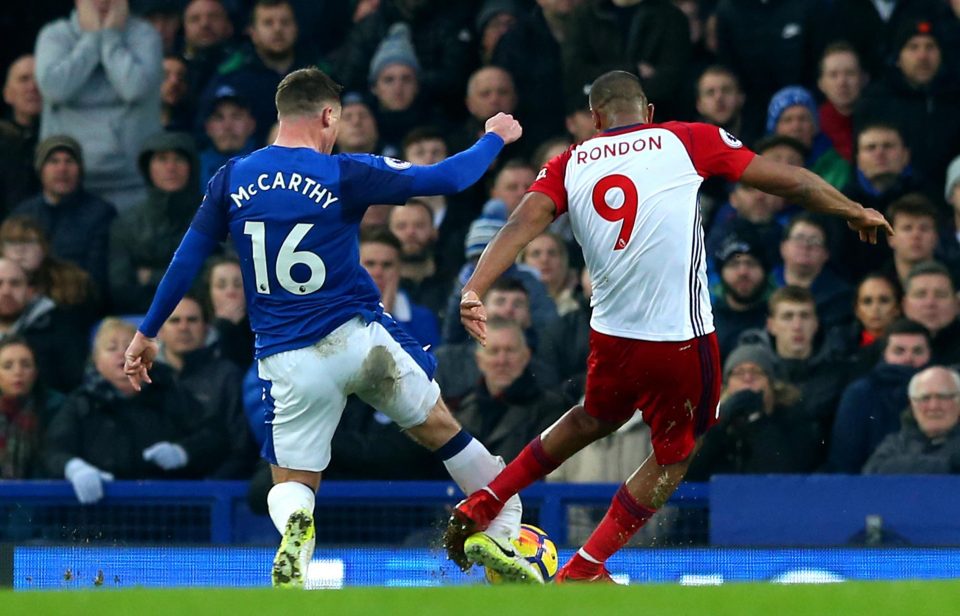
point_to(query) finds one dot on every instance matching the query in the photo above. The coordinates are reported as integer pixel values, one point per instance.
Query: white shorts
(307, 388)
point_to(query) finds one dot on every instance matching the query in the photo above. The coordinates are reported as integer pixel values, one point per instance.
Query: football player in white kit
(631, 194)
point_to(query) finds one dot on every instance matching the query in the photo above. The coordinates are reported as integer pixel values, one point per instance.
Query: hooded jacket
(147, 235)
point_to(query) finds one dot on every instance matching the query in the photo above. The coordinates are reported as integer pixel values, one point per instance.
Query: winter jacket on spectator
(870, 409)
(145, 237)
(603, 38)
(911, 452)
(215, 384)
(442, 34)
(78, 228)
(23, 421)
(59, 343)
(506, 423)
(103, 89)
(564, 346)
(18, 179)
(110, 431)
(749, 441)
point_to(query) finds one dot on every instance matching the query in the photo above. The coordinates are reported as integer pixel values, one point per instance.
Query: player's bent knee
(590, 425)
(311, 479)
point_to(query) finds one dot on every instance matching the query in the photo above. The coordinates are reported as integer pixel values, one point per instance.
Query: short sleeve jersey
(632, 197)
(294, 215)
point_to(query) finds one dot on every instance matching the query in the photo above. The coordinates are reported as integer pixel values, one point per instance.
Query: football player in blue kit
(293, 212)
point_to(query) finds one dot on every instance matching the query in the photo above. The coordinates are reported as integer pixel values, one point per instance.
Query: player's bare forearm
(805, 188)
(530, 219)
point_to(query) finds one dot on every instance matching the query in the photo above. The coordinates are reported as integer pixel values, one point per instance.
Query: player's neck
(299, 135)
(619, 120)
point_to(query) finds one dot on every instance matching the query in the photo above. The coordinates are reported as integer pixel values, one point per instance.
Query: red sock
(532, 464)
(623, 519)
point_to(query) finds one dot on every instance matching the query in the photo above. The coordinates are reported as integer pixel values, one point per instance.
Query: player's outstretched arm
(530, 219)
(798, 185)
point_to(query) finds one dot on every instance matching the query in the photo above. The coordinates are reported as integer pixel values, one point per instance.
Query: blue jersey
(294, 215)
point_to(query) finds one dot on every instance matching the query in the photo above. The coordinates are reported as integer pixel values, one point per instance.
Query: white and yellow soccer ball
(536, 546)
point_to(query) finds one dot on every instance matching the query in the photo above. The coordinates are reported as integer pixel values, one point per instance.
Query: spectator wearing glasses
(929, 441)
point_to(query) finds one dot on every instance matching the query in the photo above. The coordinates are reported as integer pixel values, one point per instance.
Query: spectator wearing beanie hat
(76, 222)
(919, 96)
(793, 112)
(760, 428)
(739, 301)
(494, 19)
(394, 80)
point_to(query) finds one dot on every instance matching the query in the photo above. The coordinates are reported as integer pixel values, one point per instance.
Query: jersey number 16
(287, 258)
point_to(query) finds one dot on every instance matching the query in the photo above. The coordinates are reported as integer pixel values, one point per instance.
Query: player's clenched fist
(504, 125)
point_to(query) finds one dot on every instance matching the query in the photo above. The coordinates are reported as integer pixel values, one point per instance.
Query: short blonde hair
(107, 327)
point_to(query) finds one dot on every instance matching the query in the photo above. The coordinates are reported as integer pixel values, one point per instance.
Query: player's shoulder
(374, 160)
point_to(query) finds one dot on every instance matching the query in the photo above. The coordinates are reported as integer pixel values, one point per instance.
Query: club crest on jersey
(396, 163)
(730, 140)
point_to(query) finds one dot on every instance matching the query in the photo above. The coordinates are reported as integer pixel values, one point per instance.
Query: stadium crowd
(838, 356)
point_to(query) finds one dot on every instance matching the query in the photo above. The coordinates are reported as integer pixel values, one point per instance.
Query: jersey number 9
(287, 258)
(627, 212)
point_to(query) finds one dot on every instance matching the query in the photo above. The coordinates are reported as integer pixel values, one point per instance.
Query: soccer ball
(534, 544)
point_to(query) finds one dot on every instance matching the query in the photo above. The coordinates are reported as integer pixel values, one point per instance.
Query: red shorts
(676, 385)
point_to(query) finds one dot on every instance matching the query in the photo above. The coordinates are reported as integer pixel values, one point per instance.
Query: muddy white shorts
(306, 389)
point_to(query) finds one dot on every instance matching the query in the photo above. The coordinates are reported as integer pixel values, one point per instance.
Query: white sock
(473, 467)
(583, 554)
(287, 497)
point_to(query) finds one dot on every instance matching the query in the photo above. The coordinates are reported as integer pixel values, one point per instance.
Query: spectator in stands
(207, 34)
(720, 102)
(59, 343)
(443, 41)
(69, 286)
(358, 128)
(457, 370)
(18, 134)
(540, 94)
(494, 19)
(951, 241)
(419, 277)
(106, 430)
(380, 255)
(769, 45)
(841, 81)
(748, 211)
(481, 232)
(176, 111)
(254, 71)
(230, 126)
(929, 441)
(565, 344)
(650, 39)
(165, 19)
(802, 358)
(871, 406)
(805, 255)
(507, 407)
(144, 238)
(876, 306)
(761, 429)
(511, 183)
(76, 221)
(741, 302)
(26, 409)
(793, 112)
(882, 176)
(921, 96)
(100, 72)
(490, 90)
(930, 298)
(227, 304)
(914, 221)
(782, 149)
(214, 382)
(547, 254)
(395, 83)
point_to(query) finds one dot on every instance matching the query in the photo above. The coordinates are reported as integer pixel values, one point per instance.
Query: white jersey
(631, 194)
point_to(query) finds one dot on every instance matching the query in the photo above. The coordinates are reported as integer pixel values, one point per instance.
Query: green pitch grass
(846, 599)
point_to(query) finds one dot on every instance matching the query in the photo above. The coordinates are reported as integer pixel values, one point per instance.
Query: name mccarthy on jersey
(306, 186)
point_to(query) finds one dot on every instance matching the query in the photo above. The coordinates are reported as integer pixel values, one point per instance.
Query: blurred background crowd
(838, 356)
